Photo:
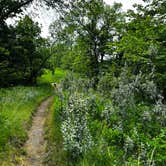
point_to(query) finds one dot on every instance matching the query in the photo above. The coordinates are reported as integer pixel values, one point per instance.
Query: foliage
(127, 124)
(111, 107)
(76, 135)
(49, 77)
(87, 26)
(23, 54)
(11, 8)
(142, 44)
(132, 113)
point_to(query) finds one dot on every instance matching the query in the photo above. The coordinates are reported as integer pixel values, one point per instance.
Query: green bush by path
(17, 105)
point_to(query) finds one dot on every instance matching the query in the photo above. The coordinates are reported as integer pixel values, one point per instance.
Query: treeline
(23, 52)
(93, 38)
(88, 37)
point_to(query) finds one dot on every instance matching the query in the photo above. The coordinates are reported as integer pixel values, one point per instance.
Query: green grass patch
(56, 154)
(17, 105)
(49, 76)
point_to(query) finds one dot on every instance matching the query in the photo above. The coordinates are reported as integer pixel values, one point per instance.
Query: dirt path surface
(35, 145)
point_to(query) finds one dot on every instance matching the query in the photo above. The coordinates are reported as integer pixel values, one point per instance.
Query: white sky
(127, 4)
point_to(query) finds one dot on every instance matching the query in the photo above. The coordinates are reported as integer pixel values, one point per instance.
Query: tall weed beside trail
(72, 83)
(76, 134)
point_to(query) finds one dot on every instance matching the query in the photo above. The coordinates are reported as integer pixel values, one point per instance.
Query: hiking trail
(35, 145)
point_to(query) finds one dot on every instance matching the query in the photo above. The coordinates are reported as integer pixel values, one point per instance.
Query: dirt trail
(35, 145)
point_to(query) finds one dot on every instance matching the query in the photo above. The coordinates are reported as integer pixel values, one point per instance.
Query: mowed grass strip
(17, 105)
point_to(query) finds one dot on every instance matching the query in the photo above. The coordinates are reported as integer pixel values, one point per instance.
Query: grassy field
(17, 105)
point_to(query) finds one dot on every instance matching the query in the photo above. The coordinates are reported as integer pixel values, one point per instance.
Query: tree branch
(12, 10)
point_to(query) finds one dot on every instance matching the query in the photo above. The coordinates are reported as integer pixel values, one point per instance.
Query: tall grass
(17, 105)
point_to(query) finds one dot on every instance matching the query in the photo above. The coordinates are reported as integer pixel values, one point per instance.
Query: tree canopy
(89, 37)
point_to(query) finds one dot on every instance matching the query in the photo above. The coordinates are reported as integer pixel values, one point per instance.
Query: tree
(95, 24)
(36, 52)
(24, 58)
(143, 43)
(9, 8)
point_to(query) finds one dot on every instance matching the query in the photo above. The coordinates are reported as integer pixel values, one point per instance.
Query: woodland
(105, 69)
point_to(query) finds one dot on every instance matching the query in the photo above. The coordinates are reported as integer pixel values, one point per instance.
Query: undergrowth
(120, 124)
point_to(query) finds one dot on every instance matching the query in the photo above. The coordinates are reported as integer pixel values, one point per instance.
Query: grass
(49, 77)
(17, 105)
(56, 154)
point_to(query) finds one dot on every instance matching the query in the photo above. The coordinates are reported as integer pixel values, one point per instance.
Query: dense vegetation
(113, 107)
(123, 127)
(110, 68)
(24, 54)
(93, 38)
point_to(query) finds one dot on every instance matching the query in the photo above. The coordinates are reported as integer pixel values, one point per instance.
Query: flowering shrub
(107, 112)
(107, 82)
(72, 84)
(129, 88)
(126, 114)
(160, 111)
(138, 111)
(76, 134)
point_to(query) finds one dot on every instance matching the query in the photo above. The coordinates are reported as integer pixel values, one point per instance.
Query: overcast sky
(127, 4)
(45, 17)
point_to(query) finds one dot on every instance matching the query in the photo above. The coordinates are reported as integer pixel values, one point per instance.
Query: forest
(92, 93)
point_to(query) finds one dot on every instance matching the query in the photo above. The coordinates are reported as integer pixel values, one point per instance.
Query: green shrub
(76, 134)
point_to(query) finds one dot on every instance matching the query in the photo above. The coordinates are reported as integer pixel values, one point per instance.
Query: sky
(127, 4)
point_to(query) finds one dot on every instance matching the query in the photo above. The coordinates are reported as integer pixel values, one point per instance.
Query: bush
(126, 122)
(76, 134)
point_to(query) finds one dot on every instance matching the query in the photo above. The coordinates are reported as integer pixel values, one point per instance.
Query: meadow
(114, 124)
(109, 97)
(49, 77)
(17, 106)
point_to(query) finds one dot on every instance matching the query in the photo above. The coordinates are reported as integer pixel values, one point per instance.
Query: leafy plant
(76, 134)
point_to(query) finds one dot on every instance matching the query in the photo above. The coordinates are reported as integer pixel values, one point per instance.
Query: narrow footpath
(35, 145)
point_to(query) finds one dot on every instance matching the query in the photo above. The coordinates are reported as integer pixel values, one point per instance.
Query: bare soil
(35, 145)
